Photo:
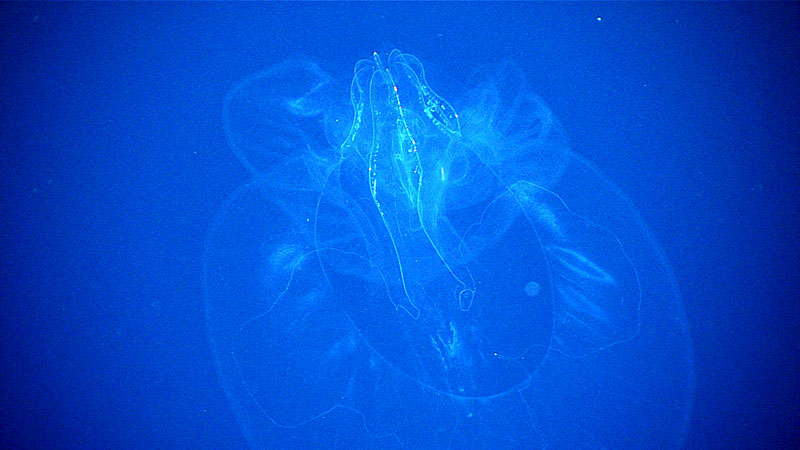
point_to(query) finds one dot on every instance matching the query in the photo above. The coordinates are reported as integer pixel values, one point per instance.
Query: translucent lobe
(437, 280)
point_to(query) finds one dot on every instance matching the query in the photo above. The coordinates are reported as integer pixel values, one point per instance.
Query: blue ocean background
(114, 161)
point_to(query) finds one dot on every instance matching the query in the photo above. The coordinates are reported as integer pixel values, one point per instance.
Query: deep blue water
(116, 164)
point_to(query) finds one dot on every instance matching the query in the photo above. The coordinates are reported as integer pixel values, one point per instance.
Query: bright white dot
(599, 19)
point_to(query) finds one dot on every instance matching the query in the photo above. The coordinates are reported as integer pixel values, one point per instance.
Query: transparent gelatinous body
(411, 276)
